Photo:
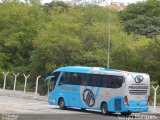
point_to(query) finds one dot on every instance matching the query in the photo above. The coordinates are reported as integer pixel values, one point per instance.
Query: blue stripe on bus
(97, 92)
(92, 88)
(133, 77)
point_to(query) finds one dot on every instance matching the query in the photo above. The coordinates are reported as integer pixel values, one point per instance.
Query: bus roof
(94, 70)
(81, 69)
(99, 70)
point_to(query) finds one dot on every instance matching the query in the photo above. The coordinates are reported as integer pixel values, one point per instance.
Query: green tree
(19, 24)
(142, 18)
(36, 39)
(155, 58)
(56, 45)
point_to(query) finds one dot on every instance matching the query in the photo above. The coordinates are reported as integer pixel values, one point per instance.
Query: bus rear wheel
(126, 113)
(62, 104)
(104, 109)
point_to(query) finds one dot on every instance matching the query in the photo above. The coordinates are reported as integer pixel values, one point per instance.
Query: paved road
(12, 108)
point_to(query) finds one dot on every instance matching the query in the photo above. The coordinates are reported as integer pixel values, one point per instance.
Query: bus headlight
(52, 100)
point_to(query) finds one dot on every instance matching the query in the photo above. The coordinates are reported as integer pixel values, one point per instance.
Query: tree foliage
(35, 39)
(142, 18)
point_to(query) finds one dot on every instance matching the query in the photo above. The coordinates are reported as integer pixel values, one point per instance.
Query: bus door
(52, 81)
(68, 89)
(74, 89)
(62, 89)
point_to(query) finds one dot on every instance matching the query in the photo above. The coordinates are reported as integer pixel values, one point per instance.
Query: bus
(107, 90)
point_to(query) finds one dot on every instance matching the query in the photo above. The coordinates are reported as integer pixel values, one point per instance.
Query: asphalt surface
(12, 108)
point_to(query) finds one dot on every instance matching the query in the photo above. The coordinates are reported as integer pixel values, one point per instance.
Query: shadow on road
(73, 114)
(88, 112)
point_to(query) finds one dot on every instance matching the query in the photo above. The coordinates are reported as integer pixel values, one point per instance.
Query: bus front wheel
(104, 109)
(62, 104)
(83, 109)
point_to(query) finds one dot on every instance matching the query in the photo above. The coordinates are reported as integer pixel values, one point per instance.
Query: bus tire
(83, 109)
(62, 104)
(104, 109)
(126, 113)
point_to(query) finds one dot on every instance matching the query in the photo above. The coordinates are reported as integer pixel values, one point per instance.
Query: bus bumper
(52, 101)
(135, 109)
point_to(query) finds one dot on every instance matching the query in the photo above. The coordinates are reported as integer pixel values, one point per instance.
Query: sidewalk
(21, 94)
(154, 110)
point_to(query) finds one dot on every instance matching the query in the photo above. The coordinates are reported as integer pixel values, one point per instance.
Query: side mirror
(60, 83)
(49, 78)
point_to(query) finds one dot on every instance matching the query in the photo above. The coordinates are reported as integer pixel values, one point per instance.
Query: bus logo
(88, 97)
(138, 78)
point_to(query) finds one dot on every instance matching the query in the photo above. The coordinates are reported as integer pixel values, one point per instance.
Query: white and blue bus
(99, 89)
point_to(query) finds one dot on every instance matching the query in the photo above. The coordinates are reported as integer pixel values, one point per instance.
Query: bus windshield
(52, 81)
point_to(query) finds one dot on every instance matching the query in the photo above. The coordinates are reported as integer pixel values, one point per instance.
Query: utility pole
(109, 36)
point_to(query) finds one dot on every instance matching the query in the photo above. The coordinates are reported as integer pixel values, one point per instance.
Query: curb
(149, 113)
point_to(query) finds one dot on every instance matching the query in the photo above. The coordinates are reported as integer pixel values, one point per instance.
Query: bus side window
(113, 82)
(56, 75)
(106, 81)
(74, 78)
(79, 78)
(95, 80)
(103, 81)
(84, 79)
(110, 81)
(53, 81)
(65, 78)
(62, 79)
(119, 81)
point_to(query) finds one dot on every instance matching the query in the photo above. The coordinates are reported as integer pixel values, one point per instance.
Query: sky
(124, 1)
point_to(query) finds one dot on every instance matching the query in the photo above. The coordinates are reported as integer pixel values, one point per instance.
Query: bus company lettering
(138, 87)
(69, 88)
(138, 90)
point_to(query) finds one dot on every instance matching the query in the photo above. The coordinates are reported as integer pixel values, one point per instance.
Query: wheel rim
(104, 109)
(61, 104)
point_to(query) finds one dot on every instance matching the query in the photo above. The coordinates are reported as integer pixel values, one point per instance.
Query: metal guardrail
(21, 94)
